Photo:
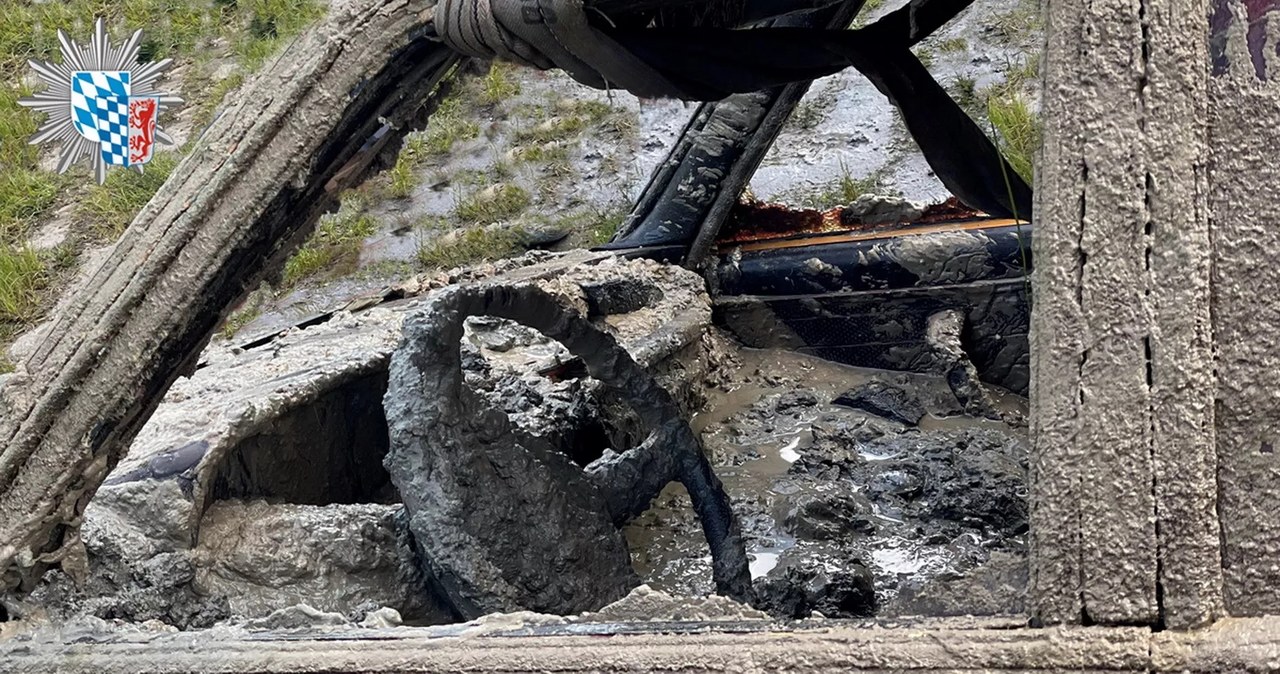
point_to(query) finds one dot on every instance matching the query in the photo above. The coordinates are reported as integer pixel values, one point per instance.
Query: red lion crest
(142, 127)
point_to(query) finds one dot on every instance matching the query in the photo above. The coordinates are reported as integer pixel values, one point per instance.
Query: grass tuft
(495, 203)
(448, 126)
(926, 55)
(403, 177)
(335, 246)
(844, 189)
(249, 311)
(807, 116)
(469, 247)
(1018, 129)
(965, 93)
(1025, 20)
(568, 118)
(864, 15)
(603, 224)
(499, 84)
(1010, 112)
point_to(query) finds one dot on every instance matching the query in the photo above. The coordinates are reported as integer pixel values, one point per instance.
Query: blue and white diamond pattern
(100, 112)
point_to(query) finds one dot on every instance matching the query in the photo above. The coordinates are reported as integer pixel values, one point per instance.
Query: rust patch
(754, 221)
(758, 221)
(950, 210)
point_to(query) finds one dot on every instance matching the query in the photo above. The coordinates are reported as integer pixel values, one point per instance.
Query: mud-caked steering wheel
(502, 520)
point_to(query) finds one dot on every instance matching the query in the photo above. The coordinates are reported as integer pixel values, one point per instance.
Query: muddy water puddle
(929, 512)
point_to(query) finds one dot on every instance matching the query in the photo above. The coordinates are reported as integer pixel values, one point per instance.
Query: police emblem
(102, 103)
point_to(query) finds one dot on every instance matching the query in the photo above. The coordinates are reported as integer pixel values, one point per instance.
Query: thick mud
(858, 492)
(866, 512)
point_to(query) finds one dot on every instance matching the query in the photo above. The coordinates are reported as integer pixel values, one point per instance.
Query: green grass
(259, 28)
(547, 134)
(602, 224)
(250, 310)
(603, 230)
(954, 45)
(403, 177)
(965, 92)
(553, 157)
(495, 203)
(171, 28)
(385, 269)
(592, 226)
(469, 247)
(236, 321)
(1018, 74)
(1018, 130)
(26, 277)
(499, 84)
(842, 190)
(16, 126)
(807, 116)
(555, 129)
(26, 193)
(864, 14)
(1016, 25)
(567, 119)
(110, 207)
(1016, 126)
(180, 29)
(449, 125)
(433, 223)
(335, 246)
(24, 273)
(25, 196)
(502, 169)
(926, 55)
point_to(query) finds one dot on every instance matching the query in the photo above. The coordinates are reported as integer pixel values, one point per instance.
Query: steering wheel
(502, 520)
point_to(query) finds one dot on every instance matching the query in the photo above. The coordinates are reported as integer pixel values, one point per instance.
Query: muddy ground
(871, 490)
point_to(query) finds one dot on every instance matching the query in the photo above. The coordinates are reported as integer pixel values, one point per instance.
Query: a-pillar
(1124, 528)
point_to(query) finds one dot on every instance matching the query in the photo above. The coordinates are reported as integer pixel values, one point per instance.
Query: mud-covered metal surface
(865, 299)
(871, 491)
(928, 256)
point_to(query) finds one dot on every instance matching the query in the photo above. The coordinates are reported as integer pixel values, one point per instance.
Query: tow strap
(700, 55)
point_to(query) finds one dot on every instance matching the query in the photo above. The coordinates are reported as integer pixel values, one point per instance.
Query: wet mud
(858, 492)
(852, 511)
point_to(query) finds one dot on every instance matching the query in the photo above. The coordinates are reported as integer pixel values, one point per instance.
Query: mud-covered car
(813, 414)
